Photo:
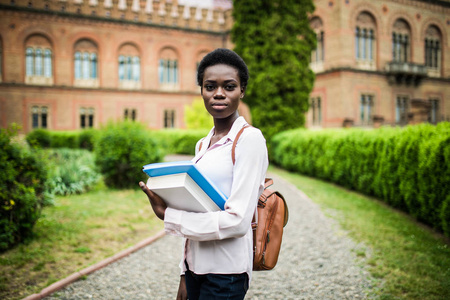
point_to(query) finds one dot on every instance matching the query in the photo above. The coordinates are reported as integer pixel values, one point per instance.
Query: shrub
(39, 138)
(87, 139)
(64, 139)
(196, 116)
(179, 141)
(121, 150)
(84, 139)
(23, 193)
(409, 168)
(72, 171)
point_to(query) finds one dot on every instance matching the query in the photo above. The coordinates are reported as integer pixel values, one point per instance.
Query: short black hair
(226, 57)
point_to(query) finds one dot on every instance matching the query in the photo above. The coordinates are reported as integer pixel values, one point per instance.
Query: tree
(275, 40)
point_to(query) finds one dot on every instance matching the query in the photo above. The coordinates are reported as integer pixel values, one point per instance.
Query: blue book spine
(161, 169)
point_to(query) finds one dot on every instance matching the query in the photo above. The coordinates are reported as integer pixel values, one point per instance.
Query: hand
(182, 291)
(158, 205)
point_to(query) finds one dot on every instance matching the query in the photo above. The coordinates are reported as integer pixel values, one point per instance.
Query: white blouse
(221, 242)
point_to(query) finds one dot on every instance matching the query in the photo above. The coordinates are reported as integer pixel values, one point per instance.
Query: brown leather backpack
(273, 215)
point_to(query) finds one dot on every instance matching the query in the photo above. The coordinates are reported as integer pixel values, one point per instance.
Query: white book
(180, 191)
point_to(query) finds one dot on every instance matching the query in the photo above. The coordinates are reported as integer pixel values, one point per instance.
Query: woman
(218, 255)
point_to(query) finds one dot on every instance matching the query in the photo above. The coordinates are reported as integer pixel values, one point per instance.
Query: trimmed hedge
(84, 139)
(121, 150)
(409, 168)
(23, 191)
(179, 141)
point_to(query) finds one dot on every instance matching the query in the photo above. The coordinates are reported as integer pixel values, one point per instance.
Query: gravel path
(317, 261)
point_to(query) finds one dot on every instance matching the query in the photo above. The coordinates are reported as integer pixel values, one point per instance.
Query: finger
(145, 189)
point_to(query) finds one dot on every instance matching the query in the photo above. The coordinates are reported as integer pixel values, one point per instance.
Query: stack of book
(182, 186)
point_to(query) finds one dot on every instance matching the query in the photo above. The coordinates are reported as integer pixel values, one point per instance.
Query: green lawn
(77, 232)
(411, 260)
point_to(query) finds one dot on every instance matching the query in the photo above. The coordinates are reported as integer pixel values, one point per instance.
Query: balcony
(405, 72)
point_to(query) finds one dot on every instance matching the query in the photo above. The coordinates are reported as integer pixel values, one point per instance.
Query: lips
(219, 105)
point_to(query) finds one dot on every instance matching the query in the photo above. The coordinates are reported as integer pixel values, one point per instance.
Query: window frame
(316, 110)
(434, 110)
(402, 107)
(168, 71)
(38, 65)
(87, 117)
(366, 108)
(40, 116)
(169, 118)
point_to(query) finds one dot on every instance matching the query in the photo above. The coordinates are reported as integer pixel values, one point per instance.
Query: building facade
(380, 62)
(72, 64)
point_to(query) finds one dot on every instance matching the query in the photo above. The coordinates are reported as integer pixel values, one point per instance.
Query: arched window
(77, 64)
(85, 62)
(86, 65)
(433, 46)
(318, 54)
(168, 69)
(38, 61)
(29, 61)
(129, 67)
(47, 63)
(136, 68)
(93, 66)
(365, 40)
(401, 37)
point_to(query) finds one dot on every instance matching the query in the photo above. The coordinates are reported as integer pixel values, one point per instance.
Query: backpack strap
(201, 144)
(233, 149)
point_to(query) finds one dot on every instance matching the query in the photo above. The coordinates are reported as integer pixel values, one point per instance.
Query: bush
(87, 139)
(121, 150)
(179, 141)
(196, 116)
(72, 171)
(409, 168)
(23, 193)
(39, 138)
(42, 138)
(64, 139)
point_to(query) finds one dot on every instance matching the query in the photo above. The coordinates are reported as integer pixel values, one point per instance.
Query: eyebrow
(226, 81)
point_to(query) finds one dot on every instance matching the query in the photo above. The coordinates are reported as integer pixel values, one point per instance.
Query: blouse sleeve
(234, 221)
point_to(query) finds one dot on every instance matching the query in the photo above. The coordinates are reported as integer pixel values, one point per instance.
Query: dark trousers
(216, 286)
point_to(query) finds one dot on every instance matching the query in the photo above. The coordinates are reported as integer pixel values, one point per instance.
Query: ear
(242, 92)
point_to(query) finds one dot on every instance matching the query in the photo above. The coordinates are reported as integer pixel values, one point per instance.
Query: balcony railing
(405, 72)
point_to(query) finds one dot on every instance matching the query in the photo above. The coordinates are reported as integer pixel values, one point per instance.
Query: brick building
(78, 63)
(383, 61)
(71, 64)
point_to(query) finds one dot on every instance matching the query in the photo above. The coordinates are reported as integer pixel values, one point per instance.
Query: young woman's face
(221, 90)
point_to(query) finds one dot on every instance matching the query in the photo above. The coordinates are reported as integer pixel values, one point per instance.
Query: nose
(219, 93)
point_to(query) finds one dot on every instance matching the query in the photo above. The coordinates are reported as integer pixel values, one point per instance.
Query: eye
(209, 87)
(230, 87)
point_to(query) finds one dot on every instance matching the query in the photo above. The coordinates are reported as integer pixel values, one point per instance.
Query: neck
(223, 126)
